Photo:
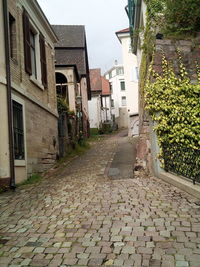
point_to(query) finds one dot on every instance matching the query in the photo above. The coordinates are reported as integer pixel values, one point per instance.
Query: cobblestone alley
(81, 217)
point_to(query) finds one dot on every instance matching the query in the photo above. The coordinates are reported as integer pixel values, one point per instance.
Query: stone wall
(189, 50)
(41, 138)
(190, 53)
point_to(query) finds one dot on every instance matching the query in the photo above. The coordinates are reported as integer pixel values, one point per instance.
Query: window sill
(36, 82)
(20, 163)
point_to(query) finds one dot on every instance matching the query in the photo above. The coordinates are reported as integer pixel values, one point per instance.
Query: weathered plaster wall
(95, 110)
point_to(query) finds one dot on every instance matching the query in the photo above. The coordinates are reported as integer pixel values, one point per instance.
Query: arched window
(61, 86)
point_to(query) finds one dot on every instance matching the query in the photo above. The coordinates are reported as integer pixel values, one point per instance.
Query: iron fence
(182, 160)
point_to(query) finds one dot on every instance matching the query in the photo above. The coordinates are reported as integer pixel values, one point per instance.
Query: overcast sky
(102, 19)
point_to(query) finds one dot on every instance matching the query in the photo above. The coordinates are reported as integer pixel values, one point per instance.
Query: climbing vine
(173, 102)
(62, 105)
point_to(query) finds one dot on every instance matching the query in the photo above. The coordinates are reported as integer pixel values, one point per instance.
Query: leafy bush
(173, 102)
(182, 16)
(62, 105)
(174, 17)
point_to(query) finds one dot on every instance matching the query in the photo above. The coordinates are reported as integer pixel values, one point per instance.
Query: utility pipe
(9, 95)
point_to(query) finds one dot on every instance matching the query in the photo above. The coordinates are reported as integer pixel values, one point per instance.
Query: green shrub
(173, 103)
(182, 16)
(94, 131)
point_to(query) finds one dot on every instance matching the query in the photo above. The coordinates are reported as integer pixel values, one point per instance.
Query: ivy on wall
(173, 101)
(62, 105)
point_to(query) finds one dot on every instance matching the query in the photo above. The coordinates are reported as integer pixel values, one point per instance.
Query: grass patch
(94, 131)
(33, 179)
(80, 149)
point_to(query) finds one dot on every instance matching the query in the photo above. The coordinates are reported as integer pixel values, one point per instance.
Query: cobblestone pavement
(82, 218)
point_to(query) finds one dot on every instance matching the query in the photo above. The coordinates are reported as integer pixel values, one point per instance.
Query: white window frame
(38, 80)
(21, 162)
(122, 81)
(123, 99)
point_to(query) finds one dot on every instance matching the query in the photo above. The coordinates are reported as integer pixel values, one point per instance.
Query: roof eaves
(43, 16)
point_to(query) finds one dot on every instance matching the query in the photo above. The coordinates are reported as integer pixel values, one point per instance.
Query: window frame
(33, 48)
(12, 36)
(122, 88)
(112, 103)
(123, 98)
(21, 162)
(40, 76)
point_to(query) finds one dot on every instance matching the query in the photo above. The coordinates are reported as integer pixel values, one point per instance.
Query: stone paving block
(128, 249)
(80, 218)
(182, 263)
(95, 262)
(39, 250)
(82, 255)
(70, 261)
(144, 250)
(116, 238)
(42, 262)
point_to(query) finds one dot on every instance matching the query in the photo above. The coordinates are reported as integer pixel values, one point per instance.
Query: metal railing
(184, 161)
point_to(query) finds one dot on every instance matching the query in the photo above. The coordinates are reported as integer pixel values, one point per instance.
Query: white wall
(131, 78)
(117, 93)
(130, 75)
(95, 111)
(106, 111)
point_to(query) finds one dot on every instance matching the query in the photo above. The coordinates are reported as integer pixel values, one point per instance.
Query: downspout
(9, 96)
(82, 123)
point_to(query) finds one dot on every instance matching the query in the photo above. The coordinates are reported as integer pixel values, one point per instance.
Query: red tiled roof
(105, 86)
(95, 80)
(124, 30)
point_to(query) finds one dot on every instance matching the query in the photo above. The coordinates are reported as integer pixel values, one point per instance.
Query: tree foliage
(174, 17)
(182, 16)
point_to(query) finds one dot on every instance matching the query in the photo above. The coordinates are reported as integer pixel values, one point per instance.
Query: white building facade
(95, 110)
(131, 81)
(118, 95)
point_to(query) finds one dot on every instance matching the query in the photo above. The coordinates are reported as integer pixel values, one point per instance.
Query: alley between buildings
(82, 216)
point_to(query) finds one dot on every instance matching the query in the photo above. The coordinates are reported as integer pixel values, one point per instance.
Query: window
(110, 75)
(122, 85)
(137, 73)
(120, 71)
(134, 74)
(112, 103)
(34, 51)
(111, 88)
(123, 101)
(33, 54)
(18, 128)
(62, 87)
(12, 36)
(129, 46)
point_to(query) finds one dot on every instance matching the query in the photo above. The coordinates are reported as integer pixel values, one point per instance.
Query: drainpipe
(9, 96)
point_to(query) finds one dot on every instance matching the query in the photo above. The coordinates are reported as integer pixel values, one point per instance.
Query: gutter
(137, 25)
(9, 95)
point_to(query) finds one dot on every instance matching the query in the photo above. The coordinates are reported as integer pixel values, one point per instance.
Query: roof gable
(95, 80)
(70, 36)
